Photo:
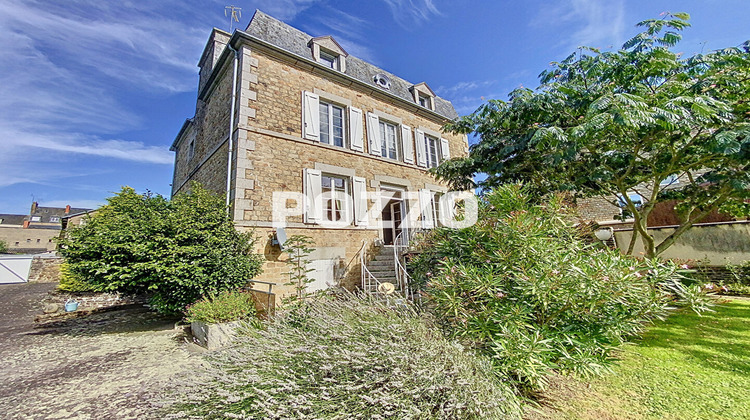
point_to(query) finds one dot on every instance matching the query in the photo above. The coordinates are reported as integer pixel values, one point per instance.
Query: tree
(620, 122)
(177, 251)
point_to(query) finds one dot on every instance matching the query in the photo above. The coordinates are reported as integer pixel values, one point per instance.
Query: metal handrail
(401, 242)
(368, 279)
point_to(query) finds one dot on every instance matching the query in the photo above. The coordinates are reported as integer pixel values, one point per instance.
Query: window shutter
(373, 134)
(407, 144)
(356, 132)
(313, 189)
(360, 201)
(421, 152)
(445, 149)
(425, 205)
(310, 116)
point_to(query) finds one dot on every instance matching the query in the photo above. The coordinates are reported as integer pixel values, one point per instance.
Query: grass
(688, 367)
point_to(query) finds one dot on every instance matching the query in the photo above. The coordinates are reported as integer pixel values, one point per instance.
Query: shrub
(3, 247)
(740, 282)
(227, 306)
(70, 282)
(350, 358)
(177, 251)
(520, 287)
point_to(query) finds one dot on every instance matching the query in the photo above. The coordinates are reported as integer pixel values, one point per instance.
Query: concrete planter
(214, 336)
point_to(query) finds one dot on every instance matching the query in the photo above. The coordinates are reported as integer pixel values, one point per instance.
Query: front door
(393, 214)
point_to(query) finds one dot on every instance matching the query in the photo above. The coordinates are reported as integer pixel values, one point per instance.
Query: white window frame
(345, 211)
(54, 219)
(428, 156)
(328, 59)
(36, 218)
(330, 107)
(383, 127)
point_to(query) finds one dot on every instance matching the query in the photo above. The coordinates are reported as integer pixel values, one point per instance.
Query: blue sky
(92, 93)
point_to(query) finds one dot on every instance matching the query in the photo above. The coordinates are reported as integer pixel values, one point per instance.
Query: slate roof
(12, 219)
(273, 31)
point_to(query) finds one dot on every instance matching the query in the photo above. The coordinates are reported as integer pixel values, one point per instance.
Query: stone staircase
(383, 267)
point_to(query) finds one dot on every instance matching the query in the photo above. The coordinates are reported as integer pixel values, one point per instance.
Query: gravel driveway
(102, 366)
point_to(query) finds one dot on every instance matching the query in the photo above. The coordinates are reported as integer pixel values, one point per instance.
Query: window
(191, 149)
(17, 243)
(38, 240)
(54, 219)
(327, 59)
(670, 180)
(636, 198)
(331, 124)
(389, 144)
(334, 190)
(424, 101)
(436, 208)
(432, 151)
(36, 218)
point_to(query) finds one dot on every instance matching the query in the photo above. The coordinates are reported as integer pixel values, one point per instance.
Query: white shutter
(425, 205)
(356, 133)
(445, 149)
(373, 134)
(407, 144)
(360, 201)
(421, 152)
(313, 202)
(310, 116)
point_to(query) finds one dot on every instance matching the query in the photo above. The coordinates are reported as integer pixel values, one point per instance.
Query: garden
(521, 314)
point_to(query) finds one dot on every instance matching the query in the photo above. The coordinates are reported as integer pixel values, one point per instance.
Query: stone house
(280, 111)
(35, 232)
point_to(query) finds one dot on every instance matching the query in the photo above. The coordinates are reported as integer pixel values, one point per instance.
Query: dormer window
(328, 60)
(425, 101)
(326, 51)
(423, 95)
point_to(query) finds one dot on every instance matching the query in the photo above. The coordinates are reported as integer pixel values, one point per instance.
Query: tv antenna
(234, 14)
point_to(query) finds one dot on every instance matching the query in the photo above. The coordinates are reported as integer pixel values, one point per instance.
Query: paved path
(102, 366)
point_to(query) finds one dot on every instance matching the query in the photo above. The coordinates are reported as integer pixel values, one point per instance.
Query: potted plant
(215, 318)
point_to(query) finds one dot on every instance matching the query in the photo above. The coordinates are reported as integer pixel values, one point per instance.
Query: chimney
(25, 224)
(67, 209)
(34, 205)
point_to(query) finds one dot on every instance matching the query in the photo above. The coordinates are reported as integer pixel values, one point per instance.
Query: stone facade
(271, 152)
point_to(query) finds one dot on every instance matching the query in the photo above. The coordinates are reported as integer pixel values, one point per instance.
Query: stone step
(380, 263)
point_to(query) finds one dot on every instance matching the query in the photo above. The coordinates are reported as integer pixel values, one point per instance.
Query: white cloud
(284, 10)
(596, 23)
(462, 87)
(409, 13)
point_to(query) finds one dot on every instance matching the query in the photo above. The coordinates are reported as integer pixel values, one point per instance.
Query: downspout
(231, 125)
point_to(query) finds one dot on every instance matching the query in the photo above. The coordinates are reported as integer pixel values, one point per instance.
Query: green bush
(520, 287)
(177, 251)
(70, 282)
(740, 282)
(3, 247)
(227, 306)
(348, 358)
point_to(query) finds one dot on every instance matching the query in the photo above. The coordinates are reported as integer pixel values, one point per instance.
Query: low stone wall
(45, 269)
(54, 304)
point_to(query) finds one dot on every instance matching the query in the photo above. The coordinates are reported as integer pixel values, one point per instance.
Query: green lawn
(689, 367)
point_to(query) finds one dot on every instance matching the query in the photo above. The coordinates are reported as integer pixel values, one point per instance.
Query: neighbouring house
(306, 117)
(717, 240)
(35, 232)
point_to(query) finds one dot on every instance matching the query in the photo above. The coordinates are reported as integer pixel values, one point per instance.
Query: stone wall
(45, 269)
(714, 244)
(271, 155)
(22, 240)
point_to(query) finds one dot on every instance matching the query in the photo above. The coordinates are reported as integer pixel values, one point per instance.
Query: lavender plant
(346, 358)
